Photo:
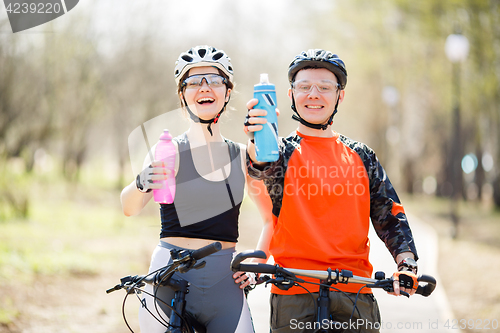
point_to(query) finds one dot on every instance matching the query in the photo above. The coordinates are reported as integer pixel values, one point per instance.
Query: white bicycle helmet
(203, 55)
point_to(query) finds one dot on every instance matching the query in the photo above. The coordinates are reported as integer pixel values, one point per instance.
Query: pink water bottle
(165, 151)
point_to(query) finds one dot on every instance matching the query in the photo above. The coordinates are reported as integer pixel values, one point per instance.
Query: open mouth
(314, 107)
(205, 100)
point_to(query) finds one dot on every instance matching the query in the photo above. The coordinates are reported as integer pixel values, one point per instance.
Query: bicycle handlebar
(186, 262)
(343, 276)
(428, 288)
(246, 255)
(206, 251)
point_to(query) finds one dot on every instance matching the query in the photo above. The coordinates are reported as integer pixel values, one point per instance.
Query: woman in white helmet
(210, 179)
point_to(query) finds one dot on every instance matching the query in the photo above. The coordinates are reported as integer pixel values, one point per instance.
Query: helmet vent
(187, 58)
(202, 52)
(217, 56)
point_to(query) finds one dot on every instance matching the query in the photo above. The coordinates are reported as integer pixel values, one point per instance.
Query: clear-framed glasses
(195, 81)
(323, 87)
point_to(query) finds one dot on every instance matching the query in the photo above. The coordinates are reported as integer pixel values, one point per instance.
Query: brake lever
(185, 267)
(126, 283)
(131, 289)
(263, 279)
(283, 283)
(388, 286)
(200, 265)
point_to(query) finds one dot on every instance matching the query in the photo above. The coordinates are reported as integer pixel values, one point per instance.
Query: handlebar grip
(206, 250)
(235, 264)
(115, 288)
(258, 268)
(428, 288)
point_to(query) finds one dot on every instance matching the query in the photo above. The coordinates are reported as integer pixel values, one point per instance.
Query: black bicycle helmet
(200, 56)
(317, 58)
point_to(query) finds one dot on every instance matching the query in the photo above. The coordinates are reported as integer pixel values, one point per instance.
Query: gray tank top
(202, 208)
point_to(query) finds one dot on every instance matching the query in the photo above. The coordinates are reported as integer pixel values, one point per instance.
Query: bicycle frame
(181, 288)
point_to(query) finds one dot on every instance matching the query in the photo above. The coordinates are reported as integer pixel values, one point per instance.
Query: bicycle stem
(324, 275)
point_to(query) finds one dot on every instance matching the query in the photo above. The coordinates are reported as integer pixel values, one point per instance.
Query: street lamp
(456, 49)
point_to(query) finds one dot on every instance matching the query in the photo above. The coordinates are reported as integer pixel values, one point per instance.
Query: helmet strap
(197, 119)
(296, 116)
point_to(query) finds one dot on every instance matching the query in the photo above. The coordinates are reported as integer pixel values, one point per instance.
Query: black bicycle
(285, 278)
(180, 320)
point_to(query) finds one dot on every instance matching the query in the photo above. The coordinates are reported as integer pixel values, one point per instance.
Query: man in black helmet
(325, 188)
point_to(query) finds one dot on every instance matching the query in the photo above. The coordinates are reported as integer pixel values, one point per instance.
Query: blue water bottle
(266, 140)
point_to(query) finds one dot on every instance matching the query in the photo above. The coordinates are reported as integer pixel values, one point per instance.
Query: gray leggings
(213, 299)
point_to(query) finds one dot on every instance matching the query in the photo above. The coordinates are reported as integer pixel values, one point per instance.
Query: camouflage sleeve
(273, 174)
(264, 172)
(386, 212)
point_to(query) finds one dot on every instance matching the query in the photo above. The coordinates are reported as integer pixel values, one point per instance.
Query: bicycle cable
(336, 289)
(355, 307)
(355, 302)
(134, 287)
(136, 290)
(156, 288)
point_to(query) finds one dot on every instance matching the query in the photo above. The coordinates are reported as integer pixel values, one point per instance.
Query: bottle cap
(165, 135)
(264, 78)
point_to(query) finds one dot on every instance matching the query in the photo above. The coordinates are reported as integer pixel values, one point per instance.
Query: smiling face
(205, 101)
(313, 106)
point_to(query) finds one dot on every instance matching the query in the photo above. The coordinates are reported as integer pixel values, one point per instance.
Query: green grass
(75, 235)
(8, 312)
(48, 242)
(70, 230)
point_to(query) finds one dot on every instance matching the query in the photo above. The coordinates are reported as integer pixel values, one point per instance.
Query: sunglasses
(195, 81)
(323, 87)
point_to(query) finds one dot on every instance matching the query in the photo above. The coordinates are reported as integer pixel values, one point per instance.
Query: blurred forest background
(73, 90)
